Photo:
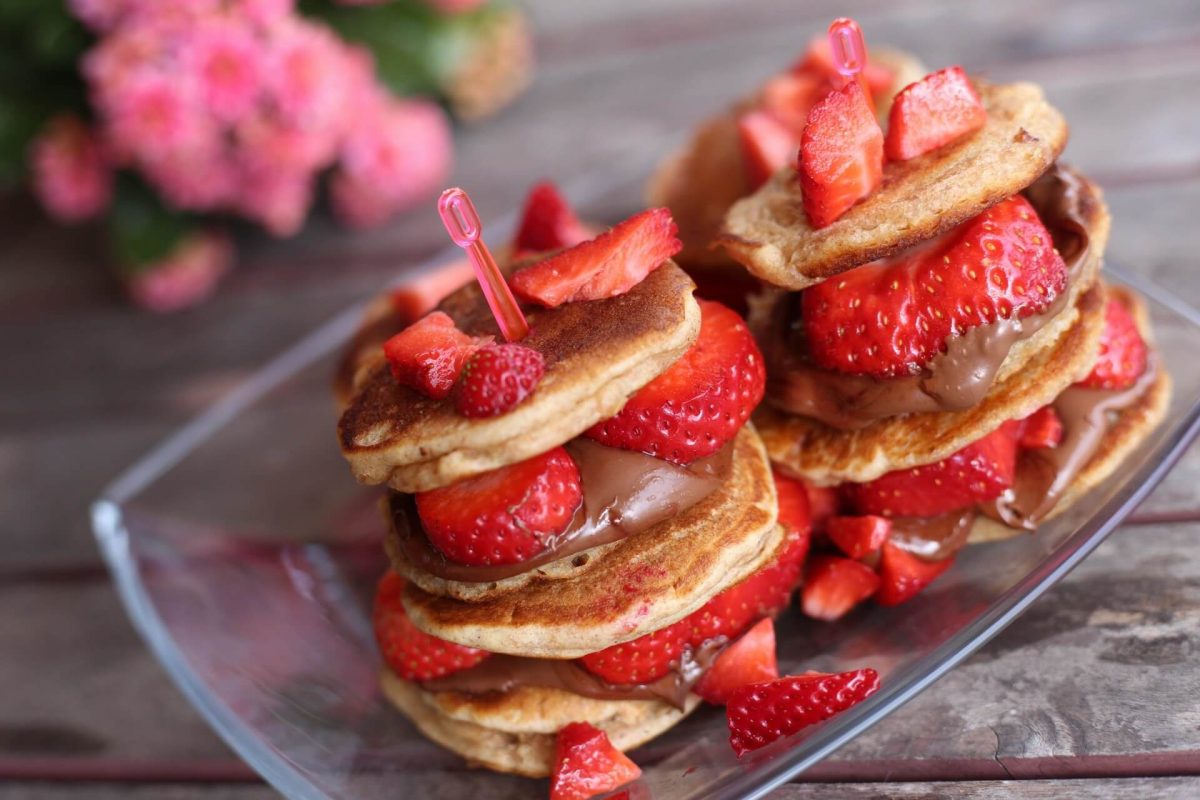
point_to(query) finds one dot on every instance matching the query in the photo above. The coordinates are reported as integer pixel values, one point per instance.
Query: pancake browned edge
(514, 731)
(638, 585)
(597, 354)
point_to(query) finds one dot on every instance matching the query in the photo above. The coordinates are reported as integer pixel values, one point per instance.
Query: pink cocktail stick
(849, 51)
(462, 223)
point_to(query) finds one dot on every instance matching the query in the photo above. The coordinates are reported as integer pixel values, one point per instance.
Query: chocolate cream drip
(933, 538)
(956, 379)
(624, 493)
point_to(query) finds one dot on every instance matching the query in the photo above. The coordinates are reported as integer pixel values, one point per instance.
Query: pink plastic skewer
(849, 52)
(462, 223)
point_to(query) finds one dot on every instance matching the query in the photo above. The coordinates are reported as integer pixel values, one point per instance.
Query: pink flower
(186, 276)
(277, 201)
(261, 12)
(199, 180)
(225, 61)
(118, 56)
(100, 15)
(356, 204)
(311, 77)
(152, 116)
(266, 143)
(70, 175)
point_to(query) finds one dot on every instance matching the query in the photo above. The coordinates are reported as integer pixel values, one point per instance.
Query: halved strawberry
(751, 659)
(902, 575)
(980, 471)
(934, 111)
(548, 222)
(497, 378)
(891, 317)
(504, 516)
(760, 713)
(700, 403)
(859, 536)
(795, 512)
(818, 61)
(833, 585)
(841, 155)
(642, 660)
(587, 764)
(429, 354)
(1122, 356)
(411, 653)
(767, 146)
(421, 295)
(611, 264)
(1042, 428)
(788, 98)
(823, 502)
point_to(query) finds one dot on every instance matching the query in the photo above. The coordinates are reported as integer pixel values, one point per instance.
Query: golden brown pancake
(379, 323)
(597, 354)
(770, 234)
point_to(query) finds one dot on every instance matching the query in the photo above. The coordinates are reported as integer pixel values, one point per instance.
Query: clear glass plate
(245, 555)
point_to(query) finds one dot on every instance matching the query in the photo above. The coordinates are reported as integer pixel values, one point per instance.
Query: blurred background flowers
(173, 121)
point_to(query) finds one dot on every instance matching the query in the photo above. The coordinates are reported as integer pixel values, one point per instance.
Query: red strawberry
(1042, 428)
(891, 317)
(767, 146)
(429, 354)
(587, 764)
(902, 575)
(700, 402)
(980, 471)
(834, 585)
(611, 264)
(413, 654)
(751, 659)
(818, 61)
(760, 713)
(934, 111)
(794, 511)
(859, 536)
(1122, 356)
(642, 660)
(548, 223)
(420, 295)
(497, 378)
(788, 98)
(824, 502)
(841, 155)
(504, 516)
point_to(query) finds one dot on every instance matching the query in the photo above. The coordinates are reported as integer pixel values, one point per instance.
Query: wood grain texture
(1180, 788)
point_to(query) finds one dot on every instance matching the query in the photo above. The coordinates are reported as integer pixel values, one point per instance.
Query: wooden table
(1094, 692)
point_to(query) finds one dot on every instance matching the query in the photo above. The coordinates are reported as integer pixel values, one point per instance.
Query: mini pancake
(379, 323)
(703, 179)
(827, 456)
(634, 586)
(515, 732)
(597, 354)
(769, 233)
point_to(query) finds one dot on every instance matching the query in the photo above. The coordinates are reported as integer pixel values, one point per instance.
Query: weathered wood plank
(134, 791)
(1182, 788)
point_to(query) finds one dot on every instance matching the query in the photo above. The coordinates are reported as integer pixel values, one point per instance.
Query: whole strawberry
(411, 653)
(497, 378)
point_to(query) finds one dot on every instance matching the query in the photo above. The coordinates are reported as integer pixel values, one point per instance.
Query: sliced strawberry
(859, 536)
(795, 512)
(818, 61)
(497, 378)
(548, 222)
(841, 155)
(1042, 428)
(1122, 356)
(700, 403)
(824, 502)
(429, 354)
(891, 317)
(833, 585)
(980, 471)
(420, 295)
(642, 660)
(902, 575)
(411, 653)
(611, 264)
(760, 713)
(587, 764)
(504, 516)
(934, 111)
(751, 659)
(788, 98)
(767, 146)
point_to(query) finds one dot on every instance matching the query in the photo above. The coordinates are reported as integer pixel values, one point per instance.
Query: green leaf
(142, 230)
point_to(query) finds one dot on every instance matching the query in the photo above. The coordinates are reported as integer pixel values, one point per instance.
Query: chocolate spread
(933, 538)
(624, 493)
(954, 380)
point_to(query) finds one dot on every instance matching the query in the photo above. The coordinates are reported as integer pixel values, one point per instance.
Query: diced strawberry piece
(548, 222)
(700, 403)
(1042, 428)
(411, 653)
(833, 585)
(751, 659)
(824, 502)
(497, 378)
(642, 660)
(788, 98)
(902, 575)
(841, 155)
(818, 61)
(421, 295)
(795, 512)
(980, 471)
(1122, 357)
(767, 146)
(891, 317)
(587, 764)
(859, 536)
(429, 354)
(504, 516)
(934, 111)
(760, 713)
(611, 264)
